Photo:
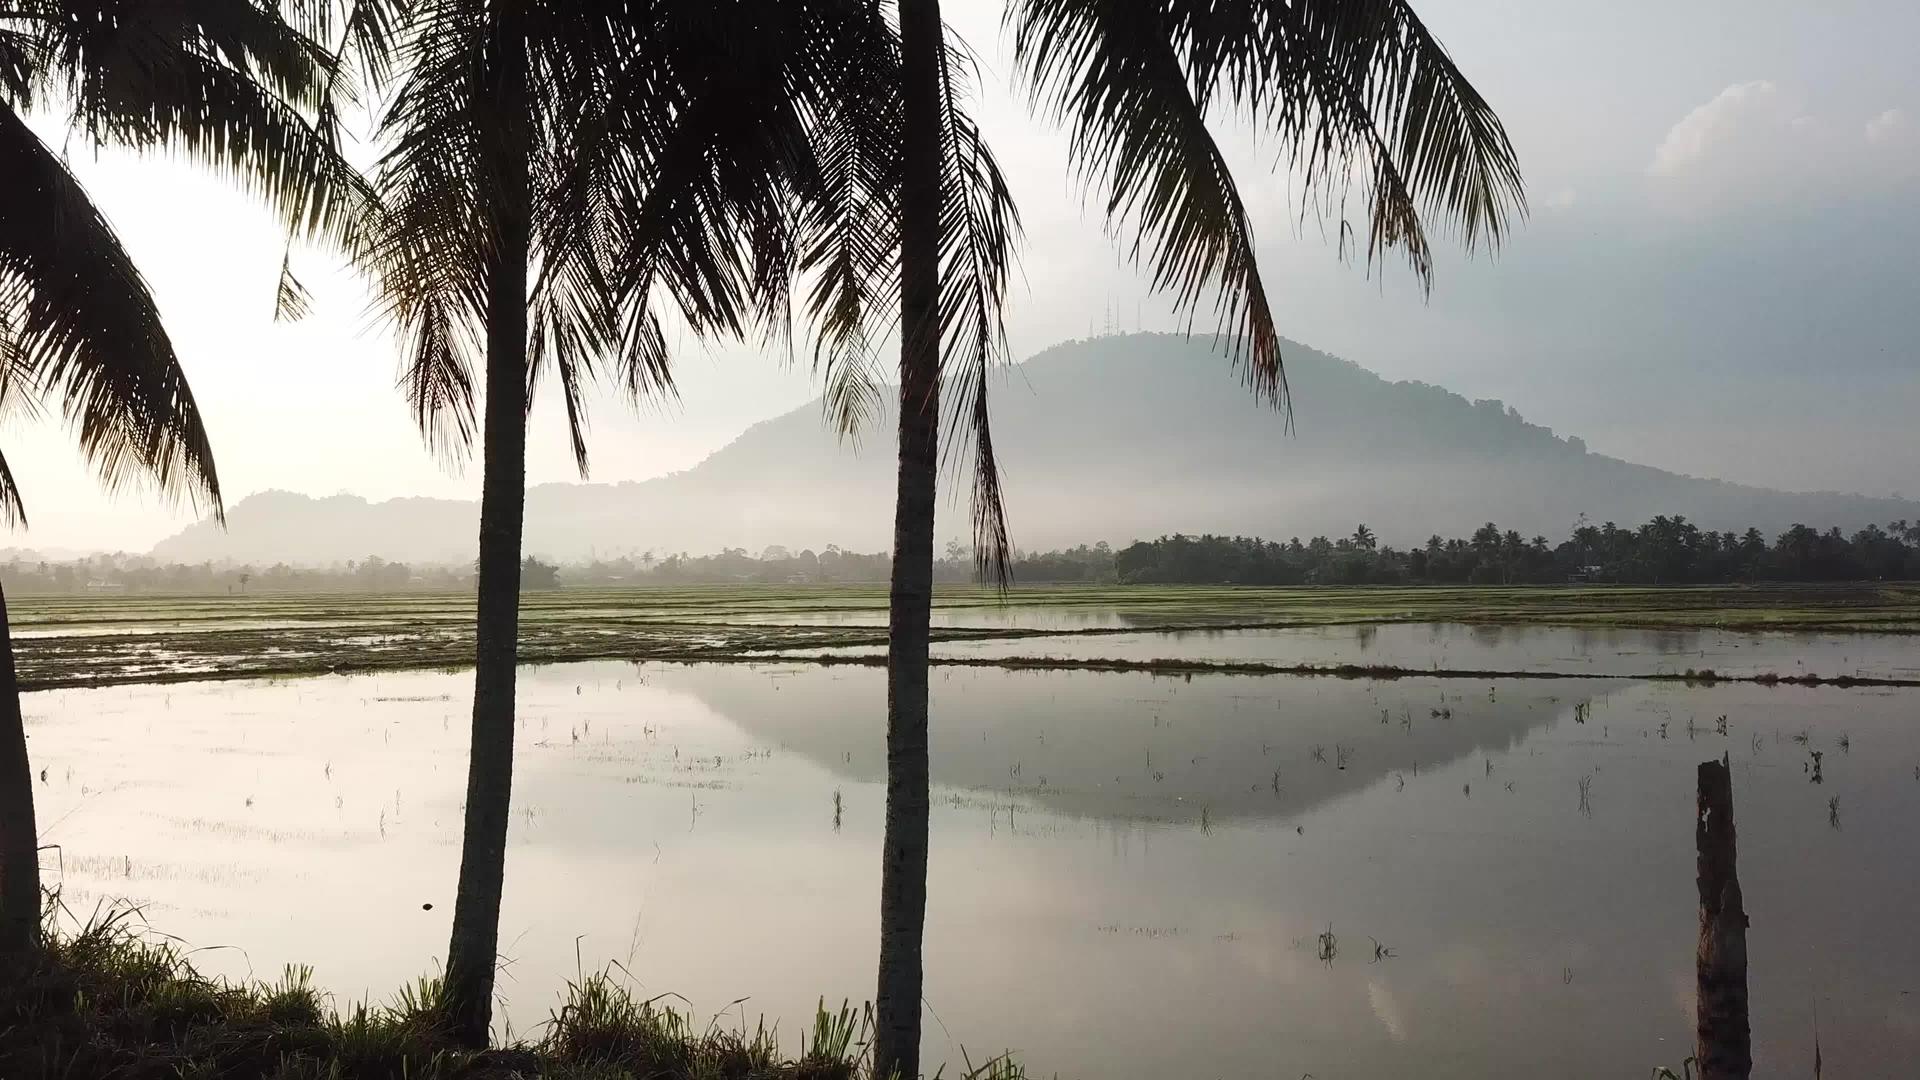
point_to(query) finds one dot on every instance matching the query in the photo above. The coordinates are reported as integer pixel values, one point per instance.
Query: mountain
(1113, 438)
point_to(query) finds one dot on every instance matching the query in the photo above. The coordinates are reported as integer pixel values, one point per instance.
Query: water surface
(1130, 874)
(1476, 647)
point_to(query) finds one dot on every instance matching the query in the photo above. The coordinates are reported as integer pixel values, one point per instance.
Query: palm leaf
(223, 83)
(1348, 87)
(81, 329)
(979, 234)
(292, 302)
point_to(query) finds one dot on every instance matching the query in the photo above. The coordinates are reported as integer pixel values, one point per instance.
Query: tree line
(1663, 551)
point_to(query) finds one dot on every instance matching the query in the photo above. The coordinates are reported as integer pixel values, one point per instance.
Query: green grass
(108, 1001)
(88, 640)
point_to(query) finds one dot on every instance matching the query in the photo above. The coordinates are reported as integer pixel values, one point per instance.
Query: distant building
(106, 587)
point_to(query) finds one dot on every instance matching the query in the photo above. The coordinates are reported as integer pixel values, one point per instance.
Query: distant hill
(1114, 438)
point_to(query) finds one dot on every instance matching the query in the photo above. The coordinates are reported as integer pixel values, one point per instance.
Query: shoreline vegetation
(109, 998)
(109, 640)
(1664, 551)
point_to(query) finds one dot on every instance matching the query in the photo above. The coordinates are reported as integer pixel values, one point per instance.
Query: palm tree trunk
(474, 945)
(19, 838)
(903, 868)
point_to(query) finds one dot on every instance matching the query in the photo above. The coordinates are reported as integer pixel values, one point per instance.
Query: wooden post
(1723, 1046)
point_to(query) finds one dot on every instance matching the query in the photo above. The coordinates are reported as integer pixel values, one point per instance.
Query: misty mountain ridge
(1114, 438)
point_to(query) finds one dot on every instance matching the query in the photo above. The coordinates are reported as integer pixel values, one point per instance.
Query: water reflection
(1164, 749)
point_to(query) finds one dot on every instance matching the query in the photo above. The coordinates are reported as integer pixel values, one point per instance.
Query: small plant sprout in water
(1720, 725)
(1661, 1072)
(1380, 952)
(1812, 767)
(837, 807)
(1206, 821)
(1846, 744)
(1580, 712)
(1327, 947)
(1002, 1067)
(1342, 755)
(1318, 753)
(1586, 795)
(1833, 812)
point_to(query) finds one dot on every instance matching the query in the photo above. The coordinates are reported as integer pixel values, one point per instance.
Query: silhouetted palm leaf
(1351, 88)
(80, 329)
(850, 243)
(291, 301)
(977, 244)
(222, 82)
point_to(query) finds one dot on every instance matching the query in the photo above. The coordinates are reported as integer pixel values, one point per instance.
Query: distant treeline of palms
(1666, 550)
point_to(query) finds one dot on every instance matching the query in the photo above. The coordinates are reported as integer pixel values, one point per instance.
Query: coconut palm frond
(18, 52)
(13, 510)
(850, 228)
(427, 252)
(1356, 91)
(367, 32)
(980, 232)
(292, 302)
(83, 331)
(224, 84)
(1110, 70)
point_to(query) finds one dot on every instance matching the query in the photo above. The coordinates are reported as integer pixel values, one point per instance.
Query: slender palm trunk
(903, 870)
(19, 840)
(472, 951)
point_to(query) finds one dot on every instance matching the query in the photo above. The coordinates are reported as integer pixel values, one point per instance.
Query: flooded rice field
(1132, 876)
(1491, 647)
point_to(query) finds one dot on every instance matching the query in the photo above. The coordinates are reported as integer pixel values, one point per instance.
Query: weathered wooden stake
(1723, 1046)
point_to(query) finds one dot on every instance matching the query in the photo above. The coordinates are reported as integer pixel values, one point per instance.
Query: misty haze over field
(1115, 438)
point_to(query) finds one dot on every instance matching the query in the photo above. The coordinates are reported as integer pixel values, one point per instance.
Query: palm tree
(1357, 91)
(561, 179)
(78, 329)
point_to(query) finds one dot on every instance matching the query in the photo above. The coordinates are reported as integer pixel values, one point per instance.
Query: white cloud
(1736, 118)
(1562, 199)
(1755, 142)
(1889, 127)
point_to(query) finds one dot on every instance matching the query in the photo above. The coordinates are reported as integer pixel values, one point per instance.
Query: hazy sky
(1718, 275)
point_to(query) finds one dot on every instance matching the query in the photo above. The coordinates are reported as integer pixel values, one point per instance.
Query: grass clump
(115, 1002)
